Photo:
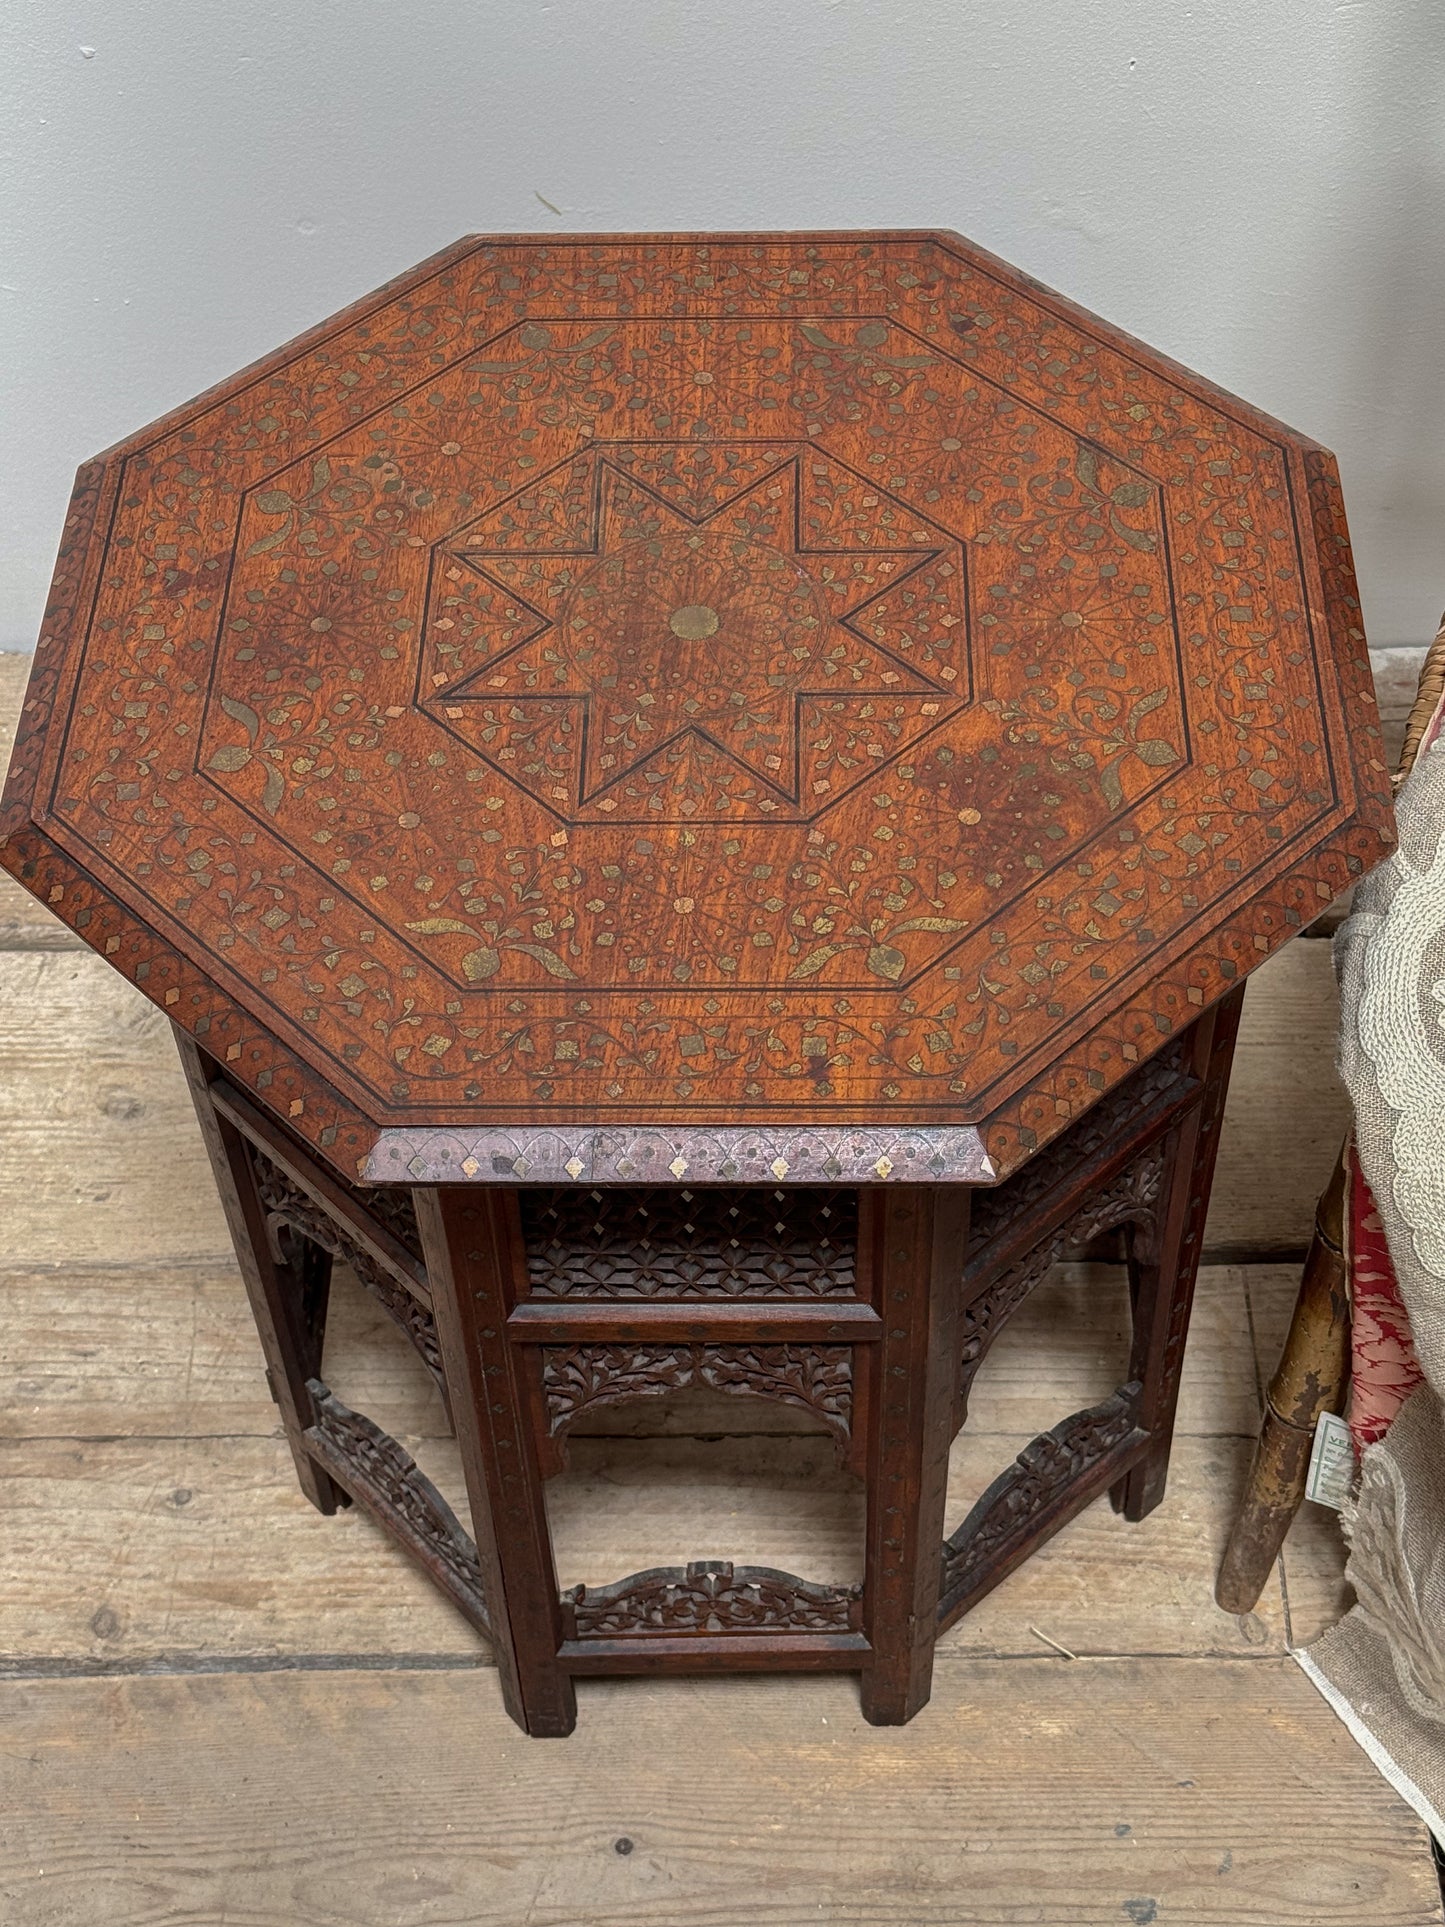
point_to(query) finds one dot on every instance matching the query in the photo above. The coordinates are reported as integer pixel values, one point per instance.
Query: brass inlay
(694, 621)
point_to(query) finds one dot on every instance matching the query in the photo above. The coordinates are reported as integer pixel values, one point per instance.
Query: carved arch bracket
(709, 1596)
(581, 1378)
(287, 1205)
(1017, 1507)
(377, 1470)
(1133, 1197)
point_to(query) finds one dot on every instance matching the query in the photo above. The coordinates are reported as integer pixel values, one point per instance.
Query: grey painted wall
(1253, 185)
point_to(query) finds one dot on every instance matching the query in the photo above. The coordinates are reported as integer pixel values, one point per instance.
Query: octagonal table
(701, 807)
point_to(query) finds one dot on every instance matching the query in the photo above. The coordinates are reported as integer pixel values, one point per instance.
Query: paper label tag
(1332, 1463)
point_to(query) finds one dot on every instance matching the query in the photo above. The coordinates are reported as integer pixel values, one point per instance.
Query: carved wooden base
(871, 1309)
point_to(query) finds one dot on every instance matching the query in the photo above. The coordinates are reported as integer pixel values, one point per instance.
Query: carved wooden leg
(473, 1246)
(288, 1299)
(918, 1235)
(1165, 1259)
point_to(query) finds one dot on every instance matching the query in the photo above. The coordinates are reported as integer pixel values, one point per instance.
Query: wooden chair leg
(1309, 1379)
(473, 1246)
(1164, 1261)
(288, 1300)
(918, 1235)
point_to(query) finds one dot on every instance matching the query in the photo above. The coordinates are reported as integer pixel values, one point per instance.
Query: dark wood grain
(1165, 1261)
(918, 1236)
(828, 1322)
(474, 1261)
(288, 1301)
(532, 1315)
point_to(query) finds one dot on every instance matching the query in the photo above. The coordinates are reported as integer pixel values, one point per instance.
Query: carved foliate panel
(577, 1379)
(286, 1204)
(691, 1244)
(1133, 1197)
(375, 1468)
(709, 1597)
(1043, 1472)
(698, 681)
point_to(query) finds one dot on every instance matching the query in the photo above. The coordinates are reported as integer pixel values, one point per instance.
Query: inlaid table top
(711, 706)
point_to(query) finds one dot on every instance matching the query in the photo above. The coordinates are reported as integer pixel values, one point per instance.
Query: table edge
(594, 1154)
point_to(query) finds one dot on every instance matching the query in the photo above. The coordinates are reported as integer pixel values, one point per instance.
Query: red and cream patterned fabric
(1384, 1369)
(1382, 1667)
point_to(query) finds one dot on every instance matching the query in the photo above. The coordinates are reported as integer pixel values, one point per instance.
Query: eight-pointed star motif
(709, 665)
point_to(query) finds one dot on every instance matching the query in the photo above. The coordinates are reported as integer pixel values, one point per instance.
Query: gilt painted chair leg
(1309, 1379)
(288, 1298)
(919, 1233)
(1165, 1260)
(473, 1245)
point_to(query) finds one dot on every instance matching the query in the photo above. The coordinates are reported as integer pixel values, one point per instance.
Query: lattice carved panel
(691, 1244)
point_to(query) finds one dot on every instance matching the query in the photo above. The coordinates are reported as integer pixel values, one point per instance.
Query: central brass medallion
(694, 622)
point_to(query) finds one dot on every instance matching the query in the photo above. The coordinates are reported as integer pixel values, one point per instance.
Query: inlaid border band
(682, 1154)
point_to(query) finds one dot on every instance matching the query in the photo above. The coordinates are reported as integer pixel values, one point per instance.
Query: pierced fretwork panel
(391, 1205)
(998, 1214)
(709, 1596)
(375, 1469)
(286, 1204)
(1133, 1197)
(691, 1244)
(1022, 1502)
(578, 1379)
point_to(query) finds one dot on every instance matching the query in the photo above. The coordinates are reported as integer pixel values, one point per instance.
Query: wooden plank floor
(1088, 1795)
(217, 1706)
